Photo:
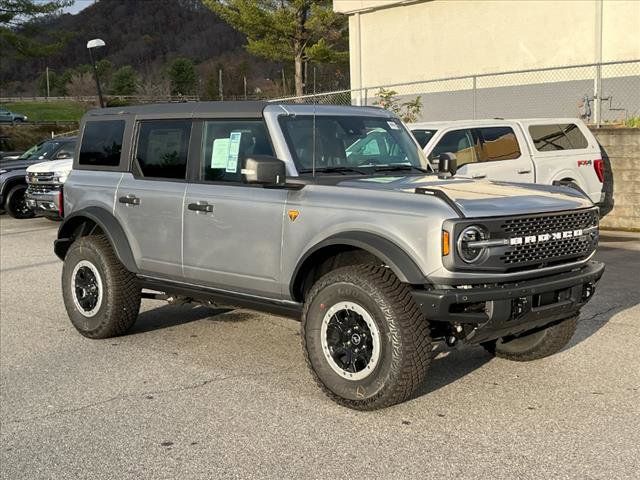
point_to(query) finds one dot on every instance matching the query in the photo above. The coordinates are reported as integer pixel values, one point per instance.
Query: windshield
(350, 142)
(423, 136)
(40, 151)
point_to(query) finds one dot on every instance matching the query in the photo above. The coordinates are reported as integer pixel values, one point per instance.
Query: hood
(57, 166)
(483, 198)
(17, 164)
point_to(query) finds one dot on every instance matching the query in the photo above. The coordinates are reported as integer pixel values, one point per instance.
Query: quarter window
(226, 144)
(163, 148)
(549, 138)
(102, 143)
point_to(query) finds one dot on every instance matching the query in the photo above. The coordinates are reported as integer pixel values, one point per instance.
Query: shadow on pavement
(171, 315)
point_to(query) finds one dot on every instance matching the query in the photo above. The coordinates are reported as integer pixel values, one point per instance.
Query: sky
(77, 6)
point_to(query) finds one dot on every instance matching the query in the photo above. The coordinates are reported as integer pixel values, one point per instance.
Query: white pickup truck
(539, 150)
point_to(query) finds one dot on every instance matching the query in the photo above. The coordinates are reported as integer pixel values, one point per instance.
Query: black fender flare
(389, 252)
(68, 232)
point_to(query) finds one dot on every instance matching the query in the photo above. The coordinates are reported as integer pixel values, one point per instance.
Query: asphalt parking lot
(194, 392)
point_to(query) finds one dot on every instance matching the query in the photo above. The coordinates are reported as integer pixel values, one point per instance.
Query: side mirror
(265, 170)
(447, 165)
(63, 156)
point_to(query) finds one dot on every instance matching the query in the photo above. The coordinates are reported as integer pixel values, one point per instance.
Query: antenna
(313, 155)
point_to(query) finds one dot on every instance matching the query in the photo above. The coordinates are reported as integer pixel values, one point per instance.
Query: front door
(233, 231)
(491, 152)
(149, 200)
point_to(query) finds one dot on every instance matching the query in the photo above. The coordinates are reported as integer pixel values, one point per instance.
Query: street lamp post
(91, 44)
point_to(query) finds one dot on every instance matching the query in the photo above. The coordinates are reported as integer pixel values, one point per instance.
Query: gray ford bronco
(328, 214)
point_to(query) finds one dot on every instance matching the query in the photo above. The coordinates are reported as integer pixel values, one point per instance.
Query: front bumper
(490, 312)
(45, 203)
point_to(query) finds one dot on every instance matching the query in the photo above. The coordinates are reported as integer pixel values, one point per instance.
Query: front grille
(550, 223)
(35, 188)
(551, 251)
(40, 177)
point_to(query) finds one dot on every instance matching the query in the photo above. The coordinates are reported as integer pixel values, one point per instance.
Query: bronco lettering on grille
(545, 237)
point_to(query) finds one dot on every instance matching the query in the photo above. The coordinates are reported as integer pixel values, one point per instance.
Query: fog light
(587, 291)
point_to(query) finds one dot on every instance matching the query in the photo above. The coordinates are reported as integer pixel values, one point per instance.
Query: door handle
(478, 175)
(522, 171)
(129, 199)
(200, 206)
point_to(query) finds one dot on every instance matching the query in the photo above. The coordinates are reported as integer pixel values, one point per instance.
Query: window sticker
(234, 150)
(393, 125)
(220, 153)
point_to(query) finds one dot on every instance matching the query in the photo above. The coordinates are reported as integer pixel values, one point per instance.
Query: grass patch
(49, 111)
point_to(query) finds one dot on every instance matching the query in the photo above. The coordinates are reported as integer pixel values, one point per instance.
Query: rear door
(232, 230)
(149, 199)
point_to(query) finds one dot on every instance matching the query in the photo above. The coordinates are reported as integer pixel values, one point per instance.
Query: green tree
(408, 111)
(124, 81)
(182, 74)
(288, 30)
(18, 27)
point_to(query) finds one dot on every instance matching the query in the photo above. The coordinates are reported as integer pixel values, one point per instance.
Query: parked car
(45, 187)
(539, 150)
(7, 116)
(272, 207)
(13, 184)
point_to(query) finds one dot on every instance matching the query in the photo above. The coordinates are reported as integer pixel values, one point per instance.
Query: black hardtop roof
(214, 109)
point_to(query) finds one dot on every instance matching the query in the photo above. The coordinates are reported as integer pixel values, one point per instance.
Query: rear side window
(496, 143)
(548, 138)
(102, 143)
(163, 148)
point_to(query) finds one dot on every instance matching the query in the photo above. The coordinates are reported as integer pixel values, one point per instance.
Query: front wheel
(16, 203)
(102, 298)
(365, 341)
(534, 344)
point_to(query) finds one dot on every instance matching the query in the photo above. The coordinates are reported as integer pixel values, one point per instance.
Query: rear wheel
(16, 203)
(102, 298)
(365, 341)
(534, 344)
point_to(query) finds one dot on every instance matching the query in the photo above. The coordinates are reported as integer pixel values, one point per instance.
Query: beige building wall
(399, 41)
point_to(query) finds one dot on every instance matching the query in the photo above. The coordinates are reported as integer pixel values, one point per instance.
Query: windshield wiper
(398, 167)
(334, 170)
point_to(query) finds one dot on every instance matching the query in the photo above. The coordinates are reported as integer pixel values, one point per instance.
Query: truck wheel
(535, 344)
(365, 341)
(102, 298)
(16, 203)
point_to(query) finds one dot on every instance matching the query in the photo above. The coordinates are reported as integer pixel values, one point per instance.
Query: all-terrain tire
(405, 346)
(16, 205)
(536, 344)
(116, 309)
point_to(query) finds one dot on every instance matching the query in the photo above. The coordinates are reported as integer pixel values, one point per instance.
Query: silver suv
(292, 209)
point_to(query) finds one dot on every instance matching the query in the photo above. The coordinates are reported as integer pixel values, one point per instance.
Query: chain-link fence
(604, 92)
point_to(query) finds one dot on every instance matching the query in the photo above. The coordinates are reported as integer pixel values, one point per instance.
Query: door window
(458, 142)
(163, 148)
(226, 144)
(495, 143)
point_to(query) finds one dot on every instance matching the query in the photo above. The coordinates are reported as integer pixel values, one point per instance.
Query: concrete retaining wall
(621, 151)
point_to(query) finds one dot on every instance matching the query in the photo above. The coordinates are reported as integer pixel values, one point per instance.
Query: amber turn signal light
(445, 243)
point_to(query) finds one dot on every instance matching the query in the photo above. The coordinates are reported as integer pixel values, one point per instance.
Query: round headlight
(467, 251)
